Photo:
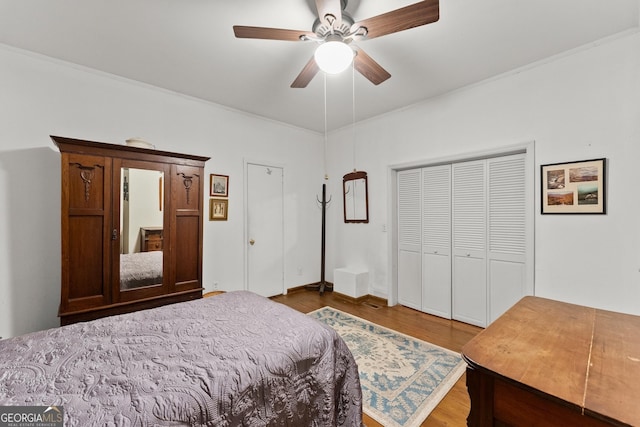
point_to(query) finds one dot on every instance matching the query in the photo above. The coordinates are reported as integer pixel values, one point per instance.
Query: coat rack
(323, 285)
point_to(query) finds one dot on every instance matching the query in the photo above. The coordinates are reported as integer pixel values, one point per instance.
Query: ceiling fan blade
(369, 68)
(415, 15)
(243, 32)
(306, 75)
(329, 7)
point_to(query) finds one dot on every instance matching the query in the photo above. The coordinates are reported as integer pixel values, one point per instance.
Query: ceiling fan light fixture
(333, 57)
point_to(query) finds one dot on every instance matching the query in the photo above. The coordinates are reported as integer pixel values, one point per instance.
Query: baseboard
(311, 286)
(377, 300)
(371, 300)
(354, 300)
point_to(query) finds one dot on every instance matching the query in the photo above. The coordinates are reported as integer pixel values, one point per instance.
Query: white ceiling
(188, 46)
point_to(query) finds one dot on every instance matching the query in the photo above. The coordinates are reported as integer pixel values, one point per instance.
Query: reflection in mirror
(356, 197)
(141, 228)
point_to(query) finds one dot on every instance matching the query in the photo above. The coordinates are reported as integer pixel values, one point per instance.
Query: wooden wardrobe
(112, 195)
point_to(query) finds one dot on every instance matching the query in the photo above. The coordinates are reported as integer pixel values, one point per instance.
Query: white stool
(353, 282)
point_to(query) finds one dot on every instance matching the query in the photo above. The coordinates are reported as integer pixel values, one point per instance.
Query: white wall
(585, 105)
(41, 97)
(144, 207)
(579, 106)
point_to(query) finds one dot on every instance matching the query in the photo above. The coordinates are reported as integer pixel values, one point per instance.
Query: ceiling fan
(334, 24)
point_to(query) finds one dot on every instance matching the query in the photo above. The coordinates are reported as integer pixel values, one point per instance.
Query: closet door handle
(114, 234)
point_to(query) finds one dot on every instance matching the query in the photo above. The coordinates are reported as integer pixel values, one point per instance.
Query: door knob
(251, 242)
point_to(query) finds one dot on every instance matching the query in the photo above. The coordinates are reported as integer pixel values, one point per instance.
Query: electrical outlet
(215, 286)
(299, 271)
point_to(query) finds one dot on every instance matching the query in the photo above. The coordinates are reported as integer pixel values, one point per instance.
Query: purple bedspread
(236, 359)
(140, 269)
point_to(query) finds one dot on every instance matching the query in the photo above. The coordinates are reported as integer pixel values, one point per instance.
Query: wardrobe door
(506, 233)
(86, 232)
(436, 240)
(409, 238)
(187, 186)
(138, 206)
(469, 222)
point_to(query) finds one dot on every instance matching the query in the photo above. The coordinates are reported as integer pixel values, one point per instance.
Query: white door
(265, 229)
(507, 228)
(436, 241)
(469, 242)
(409, 238)
(473, 224)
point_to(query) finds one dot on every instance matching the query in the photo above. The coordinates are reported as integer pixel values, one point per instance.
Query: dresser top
(586, 357)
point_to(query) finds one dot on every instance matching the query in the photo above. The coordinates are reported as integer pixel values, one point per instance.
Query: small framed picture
(574, 188)
(219, 185)
(218, 209)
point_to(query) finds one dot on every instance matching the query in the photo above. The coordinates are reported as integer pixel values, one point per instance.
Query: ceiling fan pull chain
(353, 112)
(326, 175)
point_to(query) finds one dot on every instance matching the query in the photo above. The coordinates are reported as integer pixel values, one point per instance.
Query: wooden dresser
(548, 363)
(151, 238)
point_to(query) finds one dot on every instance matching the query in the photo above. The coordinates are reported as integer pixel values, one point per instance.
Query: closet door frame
(528, 148)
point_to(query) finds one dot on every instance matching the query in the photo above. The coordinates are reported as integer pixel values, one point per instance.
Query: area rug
(402, 378)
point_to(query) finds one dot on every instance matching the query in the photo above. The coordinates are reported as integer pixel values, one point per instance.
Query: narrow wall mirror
(356, 197)
(141, 227)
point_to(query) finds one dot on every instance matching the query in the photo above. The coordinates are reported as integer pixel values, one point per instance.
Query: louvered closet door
(506, 233)
(469, 222)
(409, 238)
(436, 240)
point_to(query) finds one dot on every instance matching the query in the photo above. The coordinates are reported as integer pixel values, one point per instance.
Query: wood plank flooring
(454, 408)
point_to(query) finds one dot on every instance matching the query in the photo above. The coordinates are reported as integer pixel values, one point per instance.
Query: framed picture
(574, 188)
(219, 185)
(218, 209)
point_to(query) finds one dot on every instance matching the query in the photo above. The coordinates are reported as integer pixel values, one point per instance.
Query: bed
(140, 269)
(230, 360)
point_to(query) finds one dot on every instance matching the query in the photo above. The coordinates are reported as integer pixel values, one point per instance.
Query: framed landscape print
(574, 188)
(219, 185)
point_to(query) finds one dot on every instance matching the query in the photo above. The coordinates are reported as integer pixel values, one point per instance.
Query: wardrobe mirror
(356, 197)
(141, 228)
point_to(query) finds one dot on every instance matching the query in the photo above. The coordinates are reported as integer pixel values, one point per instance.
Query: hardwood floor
(454, 408)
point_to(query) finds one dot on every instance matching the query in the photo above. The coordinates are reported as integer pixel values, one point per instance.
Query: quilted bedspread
(140, 269)
(236, 359)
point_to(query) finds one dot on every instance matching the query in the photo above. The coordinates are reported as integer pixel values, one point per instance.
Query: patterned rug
(402, 378)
